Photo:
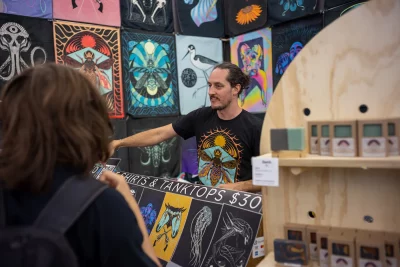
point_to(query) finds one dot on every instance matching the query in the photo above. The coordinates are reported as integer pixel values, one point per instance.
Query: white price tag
(265, 171)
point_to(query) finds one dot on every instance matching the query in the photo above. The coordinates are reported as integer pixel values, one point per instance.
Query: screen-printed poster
(94, 51)
(31, 8)
(24, 42)
(196, 58)
(252, 53)
(147, 15)
(161, 160)
(200, 18)
(150, 78)
(102, 12)
(289, 39)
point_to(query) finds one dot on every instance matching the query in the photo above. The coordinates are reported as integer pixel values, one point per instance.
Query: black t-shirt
(224, 147)
(106, 234)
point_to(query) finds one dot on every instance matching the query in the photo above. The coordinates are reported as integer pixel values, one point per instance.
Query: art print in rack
(252, 53)
(289, 39)
(29, 8)
(102, 12)
(200, 17)
(150, 78)
(24, 42)
(94, 51)
(245, 16)
(196, 57)
(149, 15)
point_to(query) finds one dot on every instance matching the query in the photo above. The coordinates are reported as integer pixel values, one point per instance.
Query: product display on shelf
(329, 89)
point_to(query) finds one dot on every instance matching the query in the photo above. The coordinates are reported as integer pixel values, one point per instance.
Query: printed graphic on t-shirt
(219, 155)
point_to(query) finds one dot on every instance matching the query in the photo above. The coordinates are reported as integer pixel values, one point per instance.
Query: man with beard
(227, 136)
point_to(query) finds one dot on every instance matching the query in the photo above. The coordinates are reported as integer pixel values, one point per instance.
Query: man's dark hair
(235, 76)
(51, 114)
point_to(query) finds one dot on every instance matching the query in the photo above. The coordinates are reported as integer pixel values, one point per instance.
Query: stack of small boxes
(372, 138)
(337, 247)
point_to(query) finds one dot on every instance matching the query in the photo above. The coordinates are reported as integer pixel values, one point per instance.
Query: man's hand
(231, 186)
(246, 186)
(113, 145)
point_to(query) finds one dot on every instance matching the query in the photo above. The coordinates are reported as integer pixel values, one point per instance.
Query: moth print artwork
(102, 12)
(197, 56)
(29, 8)
(252, 53)
(289, 39)
(337, 12)
(24, 42)
(286, 10)
(171, 221)
(150, 78)
(94, 51)
(200, 18)
(245, 16)
(148, 15)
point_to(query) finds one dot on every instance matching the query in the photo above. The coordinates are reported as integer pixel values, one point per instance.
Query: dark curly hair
(235, 76)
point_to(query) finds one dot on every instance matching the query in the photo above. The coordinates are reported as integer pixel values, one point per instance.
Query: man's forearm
(246, 186)
(146, 138)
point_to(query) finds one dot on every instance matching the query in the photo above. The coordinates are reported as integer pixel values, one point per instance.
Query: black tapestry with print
(200, 17)
(335, 13)
(120, 132)
(328, 4)
(286, 10)
(24, 42)
(161, 160)
(149, 15)
(288, 40)
(244, 16)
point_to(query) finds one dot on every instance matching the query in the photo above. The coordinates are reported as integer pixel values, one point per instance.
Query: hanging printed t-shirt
(224, 147)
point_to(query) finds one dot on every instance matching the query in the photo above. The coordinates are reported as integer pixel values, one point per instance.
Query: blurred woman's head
(51, 114)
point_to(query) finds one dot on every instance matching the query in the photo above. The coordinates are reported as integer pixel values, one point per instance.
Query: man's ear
(236, 89)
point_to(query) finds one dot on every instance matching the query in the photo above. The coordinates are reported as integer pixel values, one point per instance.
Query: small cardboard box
(370, 251)
(313, 137)
(295, 231)
(392, 249)
(322, 247)
(311, 232)
(343, 136)
(372, 136)
(393, 140)
(341, 250)
(291, 252)
(324, 139)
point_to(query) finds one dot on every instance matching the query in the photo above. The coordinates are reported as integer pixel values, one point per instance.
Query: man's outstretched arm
(146, 138)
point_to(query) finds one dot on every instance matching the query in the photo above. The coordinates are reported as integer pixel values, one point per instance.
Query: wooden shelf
(336, 162)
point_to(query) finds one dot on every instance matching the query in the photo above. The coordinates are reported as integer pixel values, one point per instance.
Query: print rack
(337, 77)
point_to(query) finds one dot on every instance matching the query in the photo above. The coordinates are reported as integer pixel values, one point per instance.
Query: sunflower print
(248, 14)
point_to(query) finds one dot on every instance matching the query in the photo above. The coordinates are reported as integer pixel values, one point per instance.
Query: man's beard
(222, 107)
